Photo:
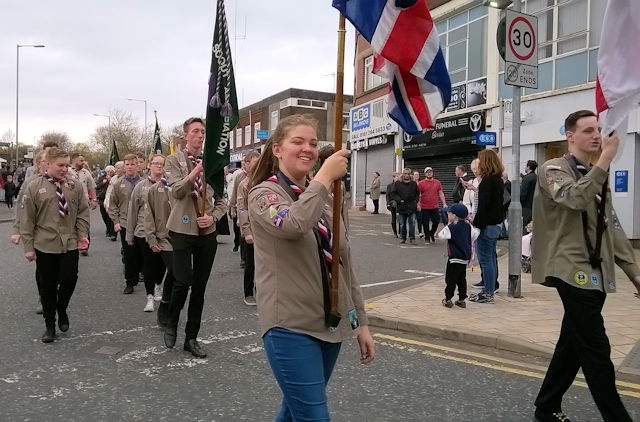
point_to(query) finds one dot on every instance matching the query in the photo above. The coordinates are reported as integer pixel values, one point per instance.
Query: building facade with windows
(568, 40)
(259, 119)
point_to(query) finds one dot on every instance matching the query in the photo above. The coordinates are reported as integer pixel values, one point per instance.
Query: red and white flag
(618, 82)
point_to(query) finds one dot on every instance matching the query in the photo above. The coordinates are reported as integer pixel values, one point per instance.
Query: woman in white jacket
(469, 198)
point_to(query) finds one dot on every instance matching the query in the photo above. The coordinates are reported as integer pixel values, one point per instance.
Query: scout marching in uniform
(152, 266)
(190, 242)
(157, 210)
(54, 223)
(118, 211)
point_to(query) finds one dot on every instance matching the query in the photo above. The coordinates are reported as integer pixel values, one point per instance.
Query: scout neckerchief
(132, 180)
(162, 180)
(324, 240)
(197, 184)
(601, 222)
(63, 207)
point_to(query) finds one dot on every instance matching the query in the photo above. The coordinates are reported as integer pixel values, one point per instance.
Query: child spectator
(526, 248)
(459, 234)
(9, 191)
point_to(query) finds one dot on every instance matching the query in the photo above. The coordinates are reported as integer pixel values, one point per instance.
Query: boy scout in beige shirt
(193, 234)
(118, 209)
(54, 225)
(156, 213)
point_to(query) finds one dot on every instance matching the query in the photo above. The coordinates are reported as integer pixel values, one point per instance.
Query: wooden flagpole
(337, 185)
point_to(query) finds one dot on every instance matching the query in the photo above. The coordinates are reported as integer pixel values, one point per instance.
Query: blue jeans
(302, 366)
(487, 257)
(411, 219)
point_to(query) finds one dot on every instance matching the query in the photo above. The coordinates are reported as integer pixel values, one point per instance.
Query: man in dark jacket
(458, 189)
(406, 194)
(527, 187)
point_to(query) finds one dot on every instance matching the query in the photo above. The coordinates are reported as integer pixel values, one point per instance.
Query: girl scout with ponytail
(291, 223)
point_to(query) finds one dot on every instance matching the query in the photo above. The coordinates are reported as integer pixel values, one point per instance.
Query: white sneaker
(157, 293)
(149, 306)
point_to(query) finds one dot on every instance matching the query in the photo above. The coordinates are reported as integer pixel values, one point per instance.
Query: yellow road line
(500, 364)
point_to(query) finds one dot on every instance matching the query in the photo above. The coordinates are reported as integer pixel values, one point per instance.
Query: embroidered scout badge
(580, 278)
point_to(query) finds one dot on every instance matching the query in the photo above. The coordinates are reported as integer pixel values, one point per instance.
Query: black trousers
(455, 276)
(583, 343)
(58, 274)
(249, 269)
(153, 267)
(433, 216)
(193, 258)
(107, 220)
(376, 203)
(131, 258)
(394, 221)
(236, 232)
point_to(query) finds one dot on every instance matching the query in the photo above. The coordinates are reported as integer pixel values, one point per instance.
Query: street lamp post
(144, 132)
(18, 85)
(109, 133)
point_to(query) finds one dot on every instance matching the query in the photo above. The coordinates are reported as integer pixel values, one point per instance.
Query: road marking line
(382, 283)
(424, 272)
(426, 275)
(499, 366)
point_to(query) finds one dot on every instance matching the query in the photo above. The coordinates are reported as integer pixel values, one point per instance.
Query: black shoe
(235, 249)
(113, 238)
(163, 315)
(128, 290)
(63, 321)
(170, 337)
(194, 347)
(49, 335)
(551, 417)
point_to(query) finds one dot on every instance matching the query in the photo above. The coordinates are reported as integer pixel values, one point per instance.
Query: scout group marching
(168, 219)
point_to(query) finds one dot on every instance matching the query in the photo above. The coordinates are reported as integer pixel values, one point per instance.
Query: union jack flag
(404, 37)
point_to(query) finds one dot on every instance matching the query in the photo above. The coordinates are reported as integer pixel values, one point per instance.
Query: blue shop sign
(486, 138)
(622, 181)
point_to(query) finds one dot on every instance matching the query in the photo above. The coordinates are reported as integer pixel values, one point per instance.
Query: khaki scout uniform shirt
(241, 205)
(288, 277)
(238, 177)
(120, 197)
(20, 210)
(85, 178)
(183, 207)
(559, 248)
(135, 213)
(156, 214)
(41, 225)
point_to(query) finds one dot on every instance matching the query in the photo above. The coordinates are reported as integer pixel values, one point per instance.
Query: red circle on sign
(533, 39)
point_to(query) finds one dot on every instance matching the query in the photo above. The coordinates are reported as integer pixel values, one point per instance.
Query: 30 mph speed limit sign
(522, 38)
(521, 55)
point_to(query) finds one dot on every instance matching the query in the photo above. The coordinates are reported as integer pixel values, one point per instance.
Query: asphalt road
(112, 364)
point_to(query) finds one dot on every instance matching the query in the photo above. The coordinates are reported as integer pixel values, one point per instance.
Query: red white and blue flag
(403, 34)
(618, 83)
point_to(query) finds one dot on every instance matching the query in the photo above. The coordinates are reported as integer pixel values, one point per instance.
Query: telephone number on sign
(369, 132)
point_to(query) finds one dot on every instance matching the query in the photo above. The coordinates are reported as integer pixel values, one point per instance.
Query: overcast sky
(100, 52)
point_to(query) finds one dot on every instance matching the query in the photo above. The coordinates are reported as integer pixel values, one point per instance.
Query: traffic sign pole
(515, 208)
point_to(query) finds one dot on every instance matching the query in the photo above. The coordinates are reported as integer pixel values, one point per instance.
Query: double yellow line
(487, 361)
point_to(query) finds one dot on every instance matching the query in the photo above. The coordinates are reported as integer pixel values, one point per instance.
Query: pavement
(529, 324)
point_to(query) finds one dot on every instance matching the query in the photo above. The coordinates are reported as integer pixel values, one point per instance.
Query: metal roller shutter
(380, 159)
(443, 168)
